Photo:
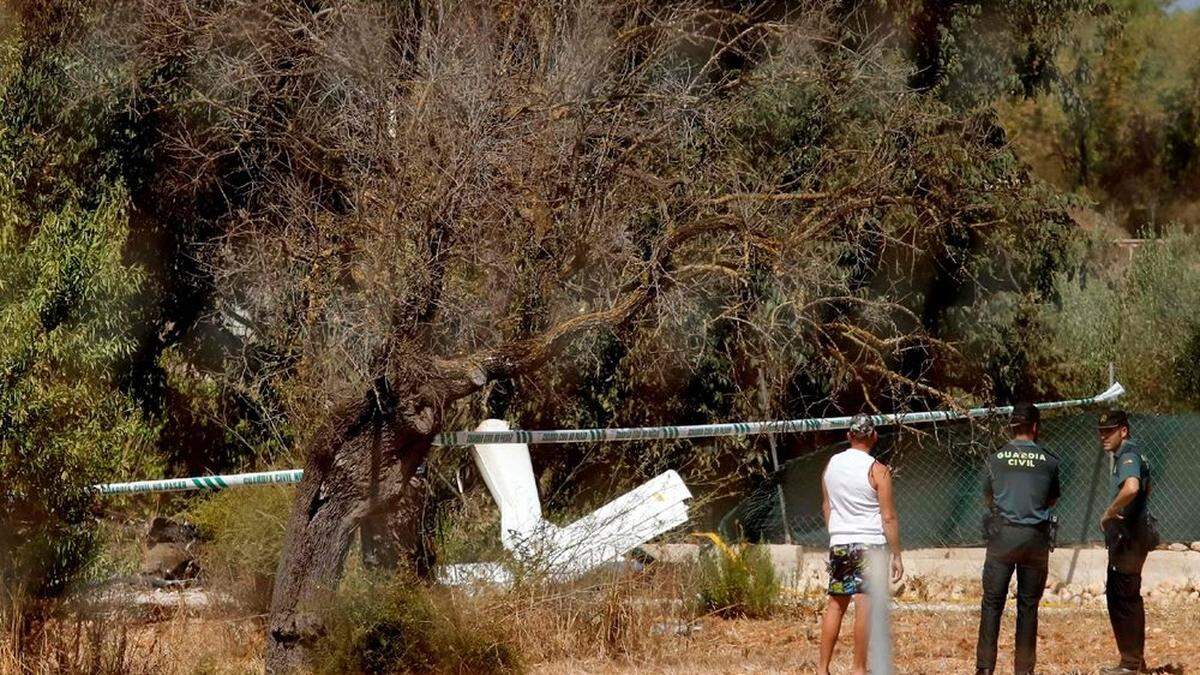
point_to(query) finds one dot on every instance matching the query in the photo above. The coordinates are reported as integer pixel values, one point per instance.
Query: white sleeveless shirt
(854, 516)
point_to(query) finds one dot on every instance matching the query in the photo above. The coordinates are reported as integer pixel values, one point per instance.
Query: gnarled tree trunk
(359, 468)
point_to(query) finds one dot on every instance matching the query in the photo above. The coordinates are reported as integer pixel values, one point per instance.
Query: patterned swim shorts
(848, 569)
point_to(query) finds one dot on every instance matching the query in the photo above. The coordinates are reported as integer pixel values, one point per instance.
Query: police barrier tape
(202, 482)
(610, 435)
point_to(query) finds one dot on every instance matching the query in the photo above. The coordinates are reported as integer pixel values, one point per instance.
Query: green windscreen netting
(939, 482)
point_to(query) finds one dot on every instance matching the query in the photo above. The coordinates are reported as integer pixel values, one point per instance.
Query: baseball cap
(861, 425)
(1110, 419)
(1025, 413)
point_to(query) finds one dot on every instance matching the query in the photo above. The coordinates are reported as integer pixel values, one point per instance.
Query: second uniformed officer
(1129, 534)
(1022, 486)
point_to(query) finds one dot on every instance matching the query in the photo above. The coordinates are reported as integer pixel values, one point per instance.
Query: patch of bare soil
(934, 641)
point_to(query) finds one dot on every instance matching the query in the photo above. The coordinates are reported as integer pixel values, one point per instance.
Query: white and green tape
(737, 429)
(202, 482)
(744, 428)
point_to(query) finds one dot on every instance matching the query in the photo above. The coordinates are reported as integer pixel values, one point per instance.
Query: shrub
(1139, 315)
(737, 581)
(243, 536)
(68, 299)
(65, 424)
(394, 625)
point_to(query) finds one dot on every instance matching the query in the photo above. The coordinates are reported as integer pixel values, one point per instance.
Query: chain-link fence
(939, 483)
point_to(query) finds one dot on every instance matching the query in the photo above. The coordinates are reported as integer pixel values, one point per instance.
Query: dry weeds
(617, 629)
(1072, 641)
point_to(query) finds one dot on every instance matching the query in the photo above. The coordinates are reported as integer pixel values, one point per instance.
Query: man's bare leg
(861, 637)
(831, 624)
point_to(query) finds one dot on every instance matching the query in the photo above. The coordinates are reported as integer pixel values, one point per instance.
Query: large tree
(396, 214)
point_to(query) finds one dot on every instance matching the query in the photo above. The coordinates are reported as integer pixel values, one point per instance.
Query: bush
(68, 299)
(394, 625)
(737, 581)
(64, 303)
(243, 537)
(1138, 314)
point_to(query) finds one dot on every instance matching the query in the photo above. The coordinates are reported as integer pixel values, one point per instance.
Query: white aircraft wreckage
(602, 537)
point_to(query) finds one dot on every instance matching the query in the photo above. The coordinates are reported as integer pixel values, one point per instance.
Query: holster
(1140, 536)
(990, 526)
(1116, 535)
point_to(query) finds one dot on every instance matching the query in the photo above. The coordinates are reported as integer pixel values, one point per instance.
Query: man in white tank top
(860, 513)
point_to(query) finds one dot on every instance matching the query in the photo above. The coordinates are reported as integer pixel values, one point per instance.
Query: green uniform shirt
(1129, 462)
(1023, 481)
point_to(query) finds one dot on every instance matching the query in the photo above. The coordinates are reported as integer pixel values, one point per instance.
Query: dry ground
(942, 641)
(930, 640)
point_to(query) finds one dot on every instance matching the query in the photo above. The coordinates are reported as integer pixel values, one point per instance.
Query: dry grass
(150, 643)
(926, 642)
(606, 618)
(615, 625)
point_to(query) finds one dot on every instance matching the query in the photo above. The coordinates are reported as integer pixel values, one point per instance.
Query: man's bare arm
(824, 502)
(887, 510)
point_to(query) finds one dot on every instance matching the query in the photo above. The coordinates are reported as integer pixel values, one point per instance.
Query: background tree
(1122, 131)
(64, 296)
(66, 307)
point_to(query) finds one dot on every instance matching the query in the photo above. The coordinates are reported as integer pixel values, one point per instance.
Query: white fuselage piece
(601, 537)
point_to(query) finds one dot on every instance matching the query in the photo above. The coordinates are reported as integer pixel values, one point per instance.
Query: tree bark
(360, 466)
(401, 538)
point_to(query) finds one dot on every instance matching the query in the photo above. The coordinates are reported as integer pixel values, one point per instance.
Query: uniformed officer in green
(1022, 486)
(1129, 534)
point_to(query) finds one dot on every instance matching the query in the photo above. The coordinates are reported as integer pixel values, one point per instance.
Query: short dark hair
(1025, 414)
(1022, 428)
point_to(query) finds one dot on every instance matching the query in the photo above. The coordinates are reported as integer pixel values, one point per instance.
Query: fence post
(763, 401)
(1093, 485)
(879, 589)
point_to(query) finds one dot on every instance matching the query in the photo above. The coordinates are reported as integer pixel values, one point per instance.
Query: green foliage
(393, 625)
(243, 537)
(737, 580)
(1138, 313)
(1187, 369)
(783, 128)
(971, 53)
(210, 427)
(82, 119)
(64, 293)
(67, 298)
(467, 528)
(1124, 128)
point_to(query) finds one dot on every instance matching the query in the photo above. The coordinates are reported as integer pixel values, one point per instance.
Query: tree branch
(769, 197)
(468, 374)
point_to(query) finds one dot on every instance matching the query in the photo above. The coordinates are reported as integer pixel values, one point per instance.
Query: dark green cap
(1111, 419)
